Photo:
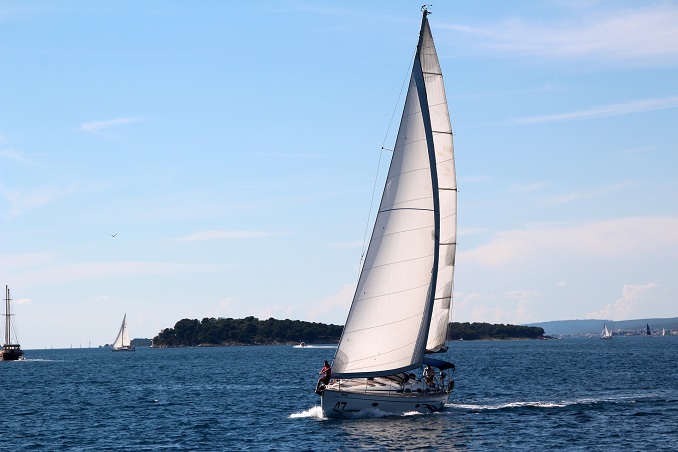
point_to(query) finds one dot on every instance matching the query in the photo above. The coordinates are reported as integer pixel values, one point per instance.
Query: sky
(171, 159)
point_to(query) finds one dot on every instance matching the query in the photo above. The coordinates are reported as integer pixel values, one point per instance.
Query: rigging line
(381, 153)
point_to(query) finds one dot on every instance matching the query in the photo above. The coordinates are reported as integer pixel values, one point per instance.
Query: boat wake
(551, 403)
(314, 346)
(501, 406)
(39, 360)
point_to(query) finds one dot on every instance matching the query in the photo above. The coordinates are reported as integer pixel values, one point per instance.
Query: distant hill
(588, 326)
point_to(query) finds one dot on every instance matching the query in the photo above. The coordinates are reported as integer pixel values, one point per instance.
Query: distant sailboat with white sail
(606, 334)
(400, 310)
(122, 342)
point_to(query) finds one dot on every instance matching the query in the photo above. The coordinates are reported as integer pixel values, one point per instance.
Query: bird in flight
(113, 235)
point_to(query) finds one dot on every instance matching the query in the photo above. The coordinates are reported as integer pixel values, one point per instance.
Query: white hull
(127, 348)
(351, 396)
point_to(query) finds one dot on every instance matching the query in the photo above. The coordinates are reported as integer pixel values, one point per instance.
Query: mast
(418, 74)
(7, 317)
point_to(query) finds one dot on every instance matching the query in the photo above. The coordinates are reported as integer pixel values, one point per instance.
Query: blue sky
(233, 148)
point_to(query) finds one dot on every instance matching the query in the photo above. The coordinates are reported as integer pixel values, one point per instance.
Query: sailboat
(647, 330)
(10, 351)
(122, 342)
(606, 333)
(663, 331)
(400, 310)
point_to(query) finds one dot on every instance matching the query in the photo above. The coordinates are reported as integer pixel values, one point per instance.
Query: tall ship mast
(10, 351)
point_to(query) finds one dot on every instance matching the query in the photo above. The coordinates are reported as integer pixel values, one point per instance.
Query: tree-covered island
(252, 331)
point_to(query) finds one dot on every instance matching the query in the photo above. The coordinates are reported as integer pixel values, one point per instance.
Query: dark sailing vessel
(647, 330)
(10, 352)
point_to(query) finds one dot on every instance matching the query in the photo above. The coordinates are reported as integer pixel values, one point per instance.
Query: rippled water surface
(570, 394)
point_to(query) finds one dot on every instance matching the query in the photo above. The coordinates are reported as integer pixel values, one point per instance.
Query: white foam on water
(315, 412)
(500, 406)
(39, 360)
(548, 403)
(314, 346)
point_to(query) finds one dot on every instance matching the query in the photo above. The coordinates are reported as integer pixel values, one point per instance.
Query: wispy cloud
(475, 179)
(349, 244)
(285, 155)
(604, 111)
(528, 188)
(477, 307)
(611, 238)
(22, 201)
(11, 154)
(14, 261)
(97, 270)
(640, 34)
(335, 305)
(223, 235)
(577, 196)
(99, 126)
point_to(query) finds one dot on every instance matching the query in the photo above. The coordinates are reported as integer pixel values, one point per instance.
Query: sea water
(569, 394)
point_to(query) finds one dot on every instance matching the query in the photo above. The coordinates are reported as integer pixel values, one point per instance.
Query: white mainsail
(122, 340)
(388, 324)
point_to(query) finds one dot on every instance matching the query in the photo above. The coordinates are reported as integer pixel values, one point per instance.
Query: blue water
(570, 394)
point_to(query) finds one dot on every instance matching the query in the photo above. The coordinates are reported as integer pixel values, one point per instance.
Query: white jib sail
(388, 322)
(447, 190)
(122, 340)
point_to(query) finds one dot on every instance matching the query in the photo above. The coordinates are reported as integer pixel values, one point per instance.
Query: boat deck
(386, 385)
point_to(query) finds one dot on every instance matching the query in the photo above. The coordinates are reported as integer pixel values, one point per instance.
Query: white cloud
(22, 201)
(516, 308)
(475, 179)
(576, 196)
(611, 238)
(625, 306)
(99, 126)
(335, 305)
(22, 301)
(349, 244)
(97, 270)
(223, 235)
(529, 188)
(15, 261)
(604, 111)
(11, 154)
(645, 34)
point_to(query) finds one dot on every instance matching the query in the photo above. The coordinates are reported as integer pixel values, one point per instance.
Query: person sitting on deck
(428, 375)
(325, 378)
